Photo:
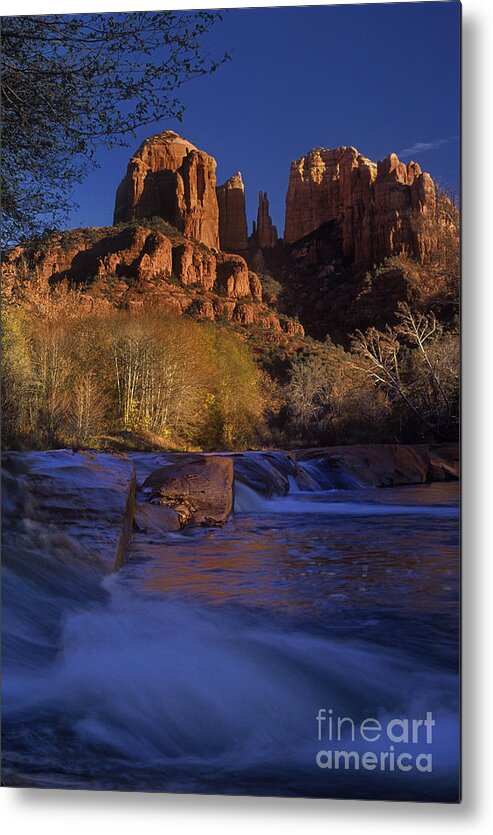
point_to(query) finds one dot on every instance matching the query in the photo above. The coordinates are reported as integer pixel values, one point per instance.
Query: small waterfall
(293, 484)
(247, 500)
(324, 474)
(261, 477)
(266, 472)
(275, 483)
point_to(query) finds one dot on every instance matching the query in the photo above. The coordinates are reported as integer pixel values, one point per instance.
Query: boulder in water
(198, 487)
(151, 518)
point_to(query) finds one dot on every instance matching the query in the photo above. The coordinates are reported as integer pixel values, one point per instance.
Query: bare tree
(88, 407)
(309, 395)
(51, 371)
(158, 372)
(72, 84)
(415, 363)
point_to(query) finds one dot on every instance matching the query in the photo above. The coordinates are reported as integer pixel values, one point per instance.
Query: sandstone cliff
(264, 233)
(144, 265)
(344, 214)
(372, 207)
(233, 229)
(170, 178)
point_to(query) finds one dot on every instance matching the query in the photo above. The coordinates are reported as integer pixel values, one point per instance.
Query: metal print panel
(230, 401)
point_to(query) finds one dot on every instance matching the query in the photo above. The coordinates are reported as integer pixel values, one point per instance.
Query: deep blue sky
(380, 77)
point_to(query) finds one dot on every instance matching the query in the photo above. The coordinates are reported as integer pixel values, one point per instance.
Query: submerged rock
(156, 519)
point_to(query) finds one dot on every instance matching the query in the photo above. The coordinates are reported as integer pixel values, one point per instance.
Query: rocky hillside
(146, 265)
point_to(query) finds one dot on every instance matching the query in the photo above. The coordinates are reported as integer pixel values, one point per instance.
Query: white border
(80, 812)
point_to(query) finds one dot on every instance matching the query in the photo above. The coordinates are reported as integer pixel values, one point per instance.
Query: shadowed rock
(85, 498)
(265, 233)
(388, 465)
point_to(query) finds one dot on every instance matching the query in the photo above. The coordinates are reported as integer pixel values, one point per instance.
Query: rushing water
(203, 664)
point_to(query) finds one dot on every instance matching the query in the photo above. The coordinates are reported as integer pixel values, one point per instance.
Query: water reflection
(381, 564)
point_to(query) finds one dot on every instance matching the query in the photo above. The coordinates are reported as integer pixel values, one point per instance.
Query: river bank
(202, 663)
(100, 499)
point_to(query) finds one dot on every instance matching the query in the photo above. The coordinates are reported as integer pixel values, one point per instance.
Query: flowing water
(204, 663)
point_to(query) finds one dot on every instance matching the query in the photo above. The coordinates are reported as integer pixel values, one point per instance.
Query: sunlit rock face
(233, 229)
(170, 178)
(374, 206)
(199, 487)
(142, 266)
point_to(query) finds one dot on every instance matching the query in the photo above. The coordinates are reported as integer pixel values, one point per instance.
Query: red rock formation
(136, 267)
(386, 465)
(170, 178)
(264, 233)
(233, 229)
(192, 265)
(255, 286)
(200, 485)
(233, 276)
(372, 205)
(83, 255)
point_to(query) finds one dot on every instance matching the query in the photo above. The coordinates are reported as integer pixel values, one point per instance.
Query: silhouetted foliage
(74, 83)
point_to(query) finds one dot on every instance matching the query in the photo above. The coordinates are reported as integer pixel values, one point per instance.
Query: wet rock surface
(386, 465)
(83, 496)
(199, 488)
(87, 502)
